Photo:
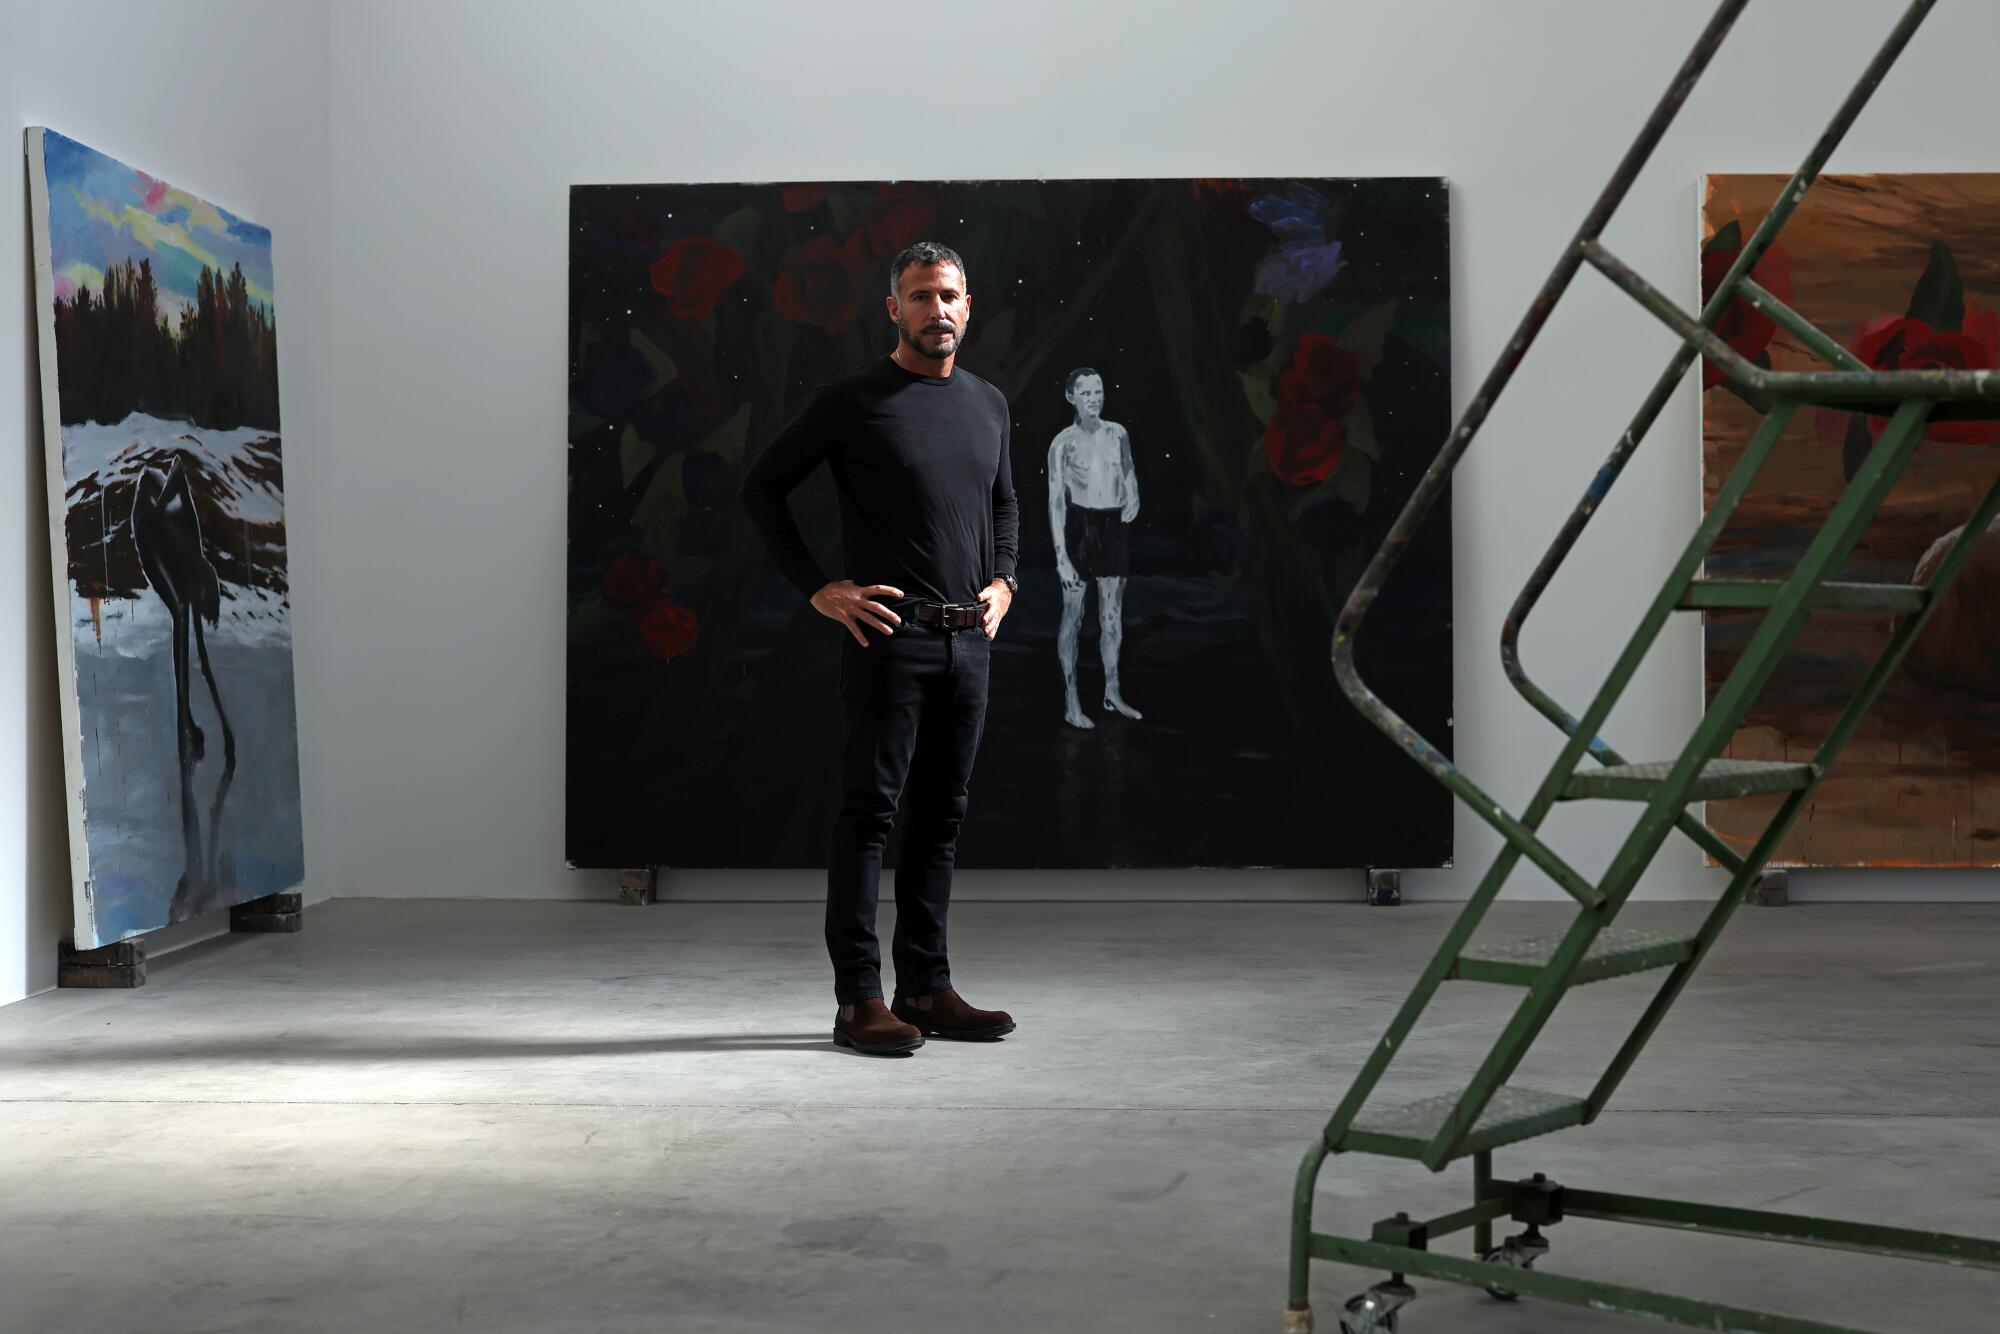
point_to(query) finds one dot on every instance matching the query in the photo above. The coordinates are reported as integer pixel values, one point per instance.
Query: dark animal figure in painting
(167, 530)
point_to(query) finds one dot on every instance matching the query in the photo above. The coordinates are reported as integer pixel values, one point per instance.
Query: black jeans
(915, 704)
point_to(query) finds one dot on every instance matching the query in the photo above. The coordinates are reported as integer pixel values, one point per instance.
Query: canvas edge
(1450, 859)
(1701, 188)
(84, 924)
(303, 884)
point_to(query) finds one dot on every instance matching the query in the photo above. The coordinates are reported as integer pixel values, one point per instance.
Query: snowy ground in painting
(141, 627)
(90, 447)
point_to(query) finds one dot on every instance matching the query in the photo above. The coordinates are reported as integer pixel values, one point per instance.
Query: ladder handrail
(1669, 804)
(1438, 475)
(1863, 387)
(1429, 488)
(1733, 286)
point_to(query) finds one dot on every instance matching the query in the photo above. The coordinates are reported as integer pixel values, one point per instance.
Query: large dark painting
(1277, 354)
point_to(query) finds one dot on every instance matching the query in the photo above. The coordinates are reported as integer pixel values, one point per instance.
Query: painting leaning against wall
(1903, 270)
(159, 375)
(1221, 392)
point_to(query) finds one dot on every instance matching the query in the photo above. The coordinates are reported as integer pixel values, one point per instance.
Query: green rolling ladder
(1491, 1112)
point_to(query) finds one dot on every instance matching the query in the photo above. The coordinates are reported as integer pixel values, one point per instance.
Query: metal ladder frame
(1489, 1113)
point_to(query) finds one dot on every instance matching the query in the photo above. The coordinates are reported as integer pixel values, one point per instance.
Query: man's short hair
(923, 252)
(1069, 383)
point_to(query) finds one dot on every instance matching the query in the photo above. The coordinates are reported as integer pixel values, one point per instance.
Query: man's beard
(917, 341)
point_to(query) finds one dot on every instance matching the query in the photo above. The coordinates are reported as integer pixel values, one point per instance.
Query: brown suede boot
(869, 1028)
(946, 1015)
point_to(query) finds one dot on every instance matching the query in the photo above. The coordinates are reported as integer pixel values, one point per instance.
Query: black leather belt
(948, 615)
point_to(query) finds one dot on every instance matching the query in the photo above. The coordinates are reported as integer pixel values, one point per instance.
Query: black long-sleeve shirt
(926, 484)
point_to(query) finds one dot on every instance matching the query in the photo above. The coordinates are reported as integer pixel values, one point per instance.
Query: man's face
(933, 309)
(1087, 394)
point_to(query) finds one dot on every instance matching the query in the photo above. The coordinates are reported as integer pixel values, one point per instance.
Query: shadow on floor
(287, 1046)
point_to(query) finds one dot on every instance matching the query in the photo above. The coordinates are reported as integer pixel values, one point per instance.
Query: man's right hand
(853, 605)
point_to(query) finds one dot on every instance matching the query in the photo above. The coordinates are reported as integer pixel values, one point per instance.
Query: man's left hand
(994, 600)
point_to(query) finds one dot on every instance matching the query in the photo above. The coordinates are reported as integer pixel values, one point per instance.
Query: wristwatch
(1013, 584)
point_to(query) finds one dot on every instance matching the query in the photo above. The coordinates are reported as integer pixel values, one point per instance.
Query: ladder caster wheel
(1505, 1255)
(1367, 1314)
(1520, 1252)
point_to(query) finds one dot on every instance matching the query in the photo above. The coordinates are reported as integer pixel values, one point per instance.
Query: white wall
(413, 157)
(228, 98)
(457, 133)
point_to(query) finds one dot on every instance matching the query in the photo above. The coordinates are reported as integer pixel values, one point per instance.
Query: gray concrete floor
(559, 1116)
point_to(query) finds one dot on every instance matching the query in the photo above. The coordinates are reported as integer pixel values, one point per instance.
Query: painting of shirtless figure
(1093, 498)
(1269, 357)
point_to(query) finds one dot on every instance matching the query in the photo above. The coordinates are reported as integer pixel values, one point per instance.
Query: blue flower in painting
(1305, 261)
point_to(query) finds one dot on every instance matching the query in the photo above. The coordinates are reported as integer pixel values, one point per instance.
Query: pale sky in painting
(102, 212)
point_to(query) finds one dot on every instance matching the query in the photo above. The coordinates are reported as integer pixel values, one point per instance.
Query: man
(1093, 497)
(930, 532)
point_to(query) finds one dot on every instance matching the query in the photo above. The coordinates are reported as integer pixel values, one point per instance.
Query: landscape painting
(1272, 358)
(1904, 271)
(159, 374)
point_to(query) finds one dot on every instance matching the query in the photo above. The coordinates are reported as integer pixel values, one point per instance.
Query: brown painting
(1903, 270)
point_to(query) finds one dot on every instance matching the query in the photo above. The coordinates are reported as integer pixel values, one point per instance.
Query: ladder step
(1512, 1114)
(1718, 779)
(1614, 953)
(1743, 594)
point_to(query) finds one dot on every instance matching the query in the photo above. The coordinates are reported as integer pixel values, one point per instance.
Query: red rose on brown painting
(816, 285)
(693, 273)
(1303, 443)
(1741, 325)
(630, 578)
(799, 198)
(667, 628)
(1323, 372)
(901, 215)
(1905, 343)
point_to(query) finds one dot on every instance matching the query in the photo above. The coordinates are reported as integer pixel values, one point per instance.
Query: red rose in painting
(1742, 325)
(1303, 443)
(901, 215)
(630, 578)
(799, 198)
(693, 273)
(816, 285)
(1322, 372)
(1908, 344)
(1318, 387)
(1221, 191)
(667, 628)
(1943, 329)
